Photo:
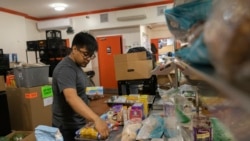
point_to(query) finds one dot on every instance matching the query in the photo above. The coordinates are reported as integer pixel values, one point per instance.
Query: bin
(31, 76)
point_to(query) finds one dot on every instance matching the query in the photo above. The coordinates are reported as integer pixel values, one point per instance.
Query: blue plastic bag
(157, 132)
(181, 18)
(47, 133)
(197, 53)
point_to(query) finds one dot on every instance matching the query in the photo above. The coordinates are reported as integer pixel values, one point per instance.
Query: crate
(53, 34)
(31, 76)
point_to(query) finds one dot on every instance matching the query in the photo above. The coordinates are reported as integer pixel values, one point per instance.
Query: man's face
(82, 56)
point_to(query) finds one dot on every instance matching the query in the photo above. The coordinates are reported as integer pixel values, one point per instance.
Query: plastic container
(31, 76)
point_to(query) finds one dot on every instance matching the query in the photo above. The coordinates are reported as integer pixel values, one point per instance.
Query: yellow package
(144, 99)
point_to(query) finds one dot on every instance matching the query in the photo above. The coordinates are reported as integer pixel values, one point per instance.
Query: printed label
(31, 95)
(47, 101)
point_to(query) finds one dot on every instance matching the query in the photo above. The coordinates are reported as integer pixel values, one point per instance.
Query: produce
(4, 139)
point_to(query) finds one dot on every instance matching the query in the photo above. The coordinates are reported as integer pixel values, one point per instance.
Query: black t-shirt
(68, 74)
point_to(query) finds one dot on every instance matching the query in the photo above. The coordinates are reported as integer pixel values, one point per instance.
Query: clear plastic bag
(129, 132)
(227, 34)
(153, 127)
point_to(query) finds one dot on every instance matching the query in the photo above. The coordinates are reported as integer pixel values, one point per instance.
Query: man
(70, 103)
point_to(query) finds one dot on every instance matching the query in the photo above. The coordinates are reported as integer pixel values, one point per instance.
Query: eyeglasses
(86, 55)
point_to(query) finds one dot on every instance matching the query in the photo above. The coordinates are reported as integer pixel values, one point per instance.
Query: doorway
(108, 47)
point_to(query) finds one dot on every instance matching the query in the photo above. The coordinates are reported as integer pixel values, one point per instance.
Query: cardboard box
(29, 135)
(2, 83)
(132, 66)
(130, 57)
(29, 107)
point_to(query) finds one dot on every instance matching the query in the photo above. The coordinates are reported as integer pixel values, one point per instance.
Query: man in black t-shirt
(70, 103)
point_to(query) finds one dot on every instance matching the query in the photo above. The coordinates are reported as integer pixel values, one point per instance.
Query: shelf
(208, 74)
(112, 101)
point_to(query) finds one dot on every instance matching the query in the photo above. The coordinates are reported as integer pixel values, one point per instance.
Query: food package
(88, 132)
(227, 34)
(202, 129)
(115, 115)
(129, 131)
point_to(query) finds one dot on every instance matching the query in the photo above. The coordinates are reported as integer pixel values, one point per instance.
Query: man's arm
(83, 109)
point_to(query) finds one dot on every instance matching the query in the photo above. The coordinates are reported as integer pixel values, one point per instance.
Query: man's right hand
(102, 127)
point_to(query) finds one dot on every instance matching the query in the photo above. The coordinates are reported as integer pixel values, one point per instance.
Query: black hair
(85, 40)
(170, 54)
(153, 48)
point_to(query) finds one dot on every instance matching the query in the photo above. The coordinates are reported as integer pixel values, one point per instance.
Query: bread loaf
(227, 36)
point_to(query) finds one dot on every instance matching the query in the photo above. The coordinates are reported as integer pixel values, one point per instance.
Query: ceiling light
(59, 6)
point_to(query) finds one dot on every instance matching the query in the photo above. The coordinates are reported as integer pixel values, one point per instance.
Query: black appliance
(4, 64)
(32, 45)
(4, 115)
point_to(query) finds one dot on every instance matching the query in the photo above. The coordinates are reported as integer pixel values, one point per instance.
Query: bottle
(125, 115)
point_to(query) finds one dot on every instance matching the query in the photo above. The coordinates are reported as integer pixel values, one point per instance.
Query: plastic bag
(196, 53)
(220, 132)
(130, 131)
(227, 34)
(47, 133)
(181, 18)
(170, 127)
(153, 127)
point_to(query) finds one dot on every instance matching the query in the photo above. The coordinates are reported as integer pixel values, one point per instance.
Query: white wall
(16, 30)
(13, 35)
(160, 32)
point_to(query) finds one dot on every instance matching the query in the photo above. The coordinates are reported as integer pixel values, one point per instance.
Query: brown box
(28, 109)
(29, 135)
(132, 66)
(2, 83)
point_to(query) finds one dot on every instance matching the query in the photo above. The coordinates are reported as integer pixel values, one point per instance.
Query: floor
(99, 106)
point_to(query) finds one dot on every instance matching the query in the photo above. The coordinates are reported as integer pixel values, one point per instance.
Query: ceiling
(40, 9)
